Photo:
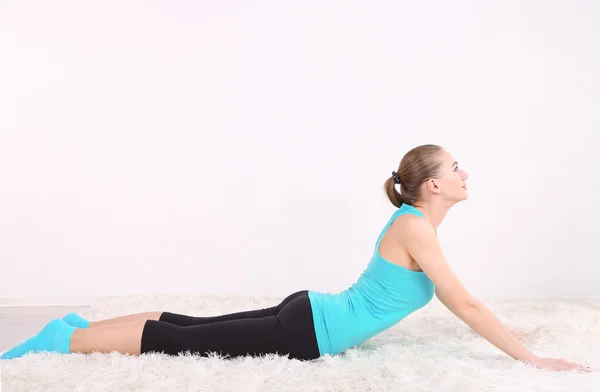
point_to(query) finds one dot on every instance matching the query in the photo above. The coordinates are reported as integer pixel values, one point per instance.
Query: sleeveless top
(384, 294)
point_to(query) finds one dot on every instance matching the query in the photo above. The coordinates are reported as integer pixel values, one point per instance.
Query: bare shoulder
(420, 240)
(413, 227)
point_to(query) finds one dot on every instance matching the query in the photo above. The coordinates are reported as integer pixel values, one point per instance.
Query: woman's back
(384, 294)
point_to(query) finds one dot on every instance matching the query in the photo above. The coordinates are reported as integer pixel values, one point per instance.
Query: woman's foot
(54, 337)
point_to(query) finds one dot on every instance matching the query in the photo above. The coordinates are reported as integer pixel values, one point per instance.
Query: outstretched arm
(477, 316)
(422, 244)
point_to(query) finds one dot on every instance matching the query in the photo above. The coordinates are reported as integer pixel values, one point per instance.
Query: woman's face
(451, 182)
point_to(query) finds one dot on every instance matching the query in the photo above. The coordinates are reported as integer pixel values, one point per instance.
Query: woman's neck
(434, 212)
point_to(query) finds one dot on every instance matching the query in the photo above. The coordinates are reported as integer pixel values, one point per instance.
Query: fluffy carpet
(431, 350)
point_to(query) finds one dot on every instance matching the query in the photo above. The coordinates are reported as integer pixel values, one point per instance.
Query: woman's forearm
(483, 321)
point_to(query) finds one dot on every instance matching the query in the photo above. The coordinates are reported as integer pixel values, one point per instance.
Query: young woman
(406, 270)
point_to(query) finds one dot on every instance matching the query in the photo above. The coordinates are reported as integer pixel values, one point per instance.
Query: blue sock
(54, 337)
(75, 320)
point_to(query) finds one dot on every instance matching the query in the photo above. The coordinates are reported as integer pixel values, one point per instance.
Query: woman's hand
(551, 363)
(559, 365)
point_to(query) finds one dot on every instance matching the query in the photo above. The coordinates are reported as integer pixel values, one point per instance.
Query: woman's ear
(433, 186)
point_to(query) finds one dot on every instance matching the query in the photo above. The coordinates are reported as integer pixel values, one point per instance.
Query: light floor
(21, 322)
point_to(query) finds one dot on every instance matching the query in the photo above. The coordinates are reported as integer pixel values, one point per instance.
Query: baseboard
(49, 300)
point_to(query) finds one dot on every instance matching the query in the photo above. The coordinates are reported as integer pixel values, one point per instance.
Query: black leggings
(285, 329)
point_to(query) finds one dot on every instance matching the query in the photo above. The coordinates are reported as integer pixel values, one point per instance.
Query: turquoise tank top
(384, 294)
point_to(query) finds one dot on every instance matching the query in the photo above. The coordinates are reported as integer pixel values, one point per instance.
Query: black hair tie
(395, 177)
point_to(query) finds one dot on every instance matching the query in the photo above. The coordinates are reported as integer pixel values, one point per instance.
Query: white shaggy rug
(431, 350)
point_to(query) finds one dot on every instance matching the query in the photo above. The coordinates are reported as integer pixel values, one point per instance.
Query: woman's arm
(422, 244)
(482, 320)
(420, 239)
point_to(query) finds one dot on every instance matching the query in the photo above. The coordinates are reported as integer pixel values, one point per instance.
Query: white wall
(236, 147)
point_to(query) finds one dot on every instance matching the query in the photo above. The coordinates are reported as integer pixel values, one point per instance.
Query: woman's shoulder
(412, 225)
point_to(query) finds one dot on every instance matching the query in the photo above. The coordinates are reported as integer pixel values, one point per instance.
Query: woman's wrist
(531, 359)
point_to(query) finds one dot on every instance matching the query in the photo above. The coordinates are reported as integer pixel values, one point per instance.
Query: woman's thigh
(290, 332)
(185, 320)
